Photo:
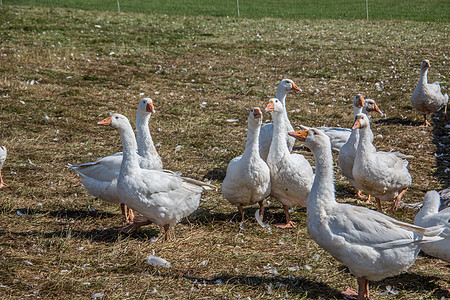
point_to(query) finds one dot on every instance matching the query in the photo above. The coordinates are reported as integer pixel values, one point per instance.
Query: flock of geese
(371, 244)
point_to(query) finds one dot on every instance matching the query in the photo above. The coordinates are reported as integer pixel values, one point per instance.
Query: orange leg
(123, 207)
(426, 123)
(361, 196)
(167, 236)
(241, 210)
(363, 288)
(261, 210)
(289, 222)
(397, 200)
(130, 215)
(2, 184)
(379, 205)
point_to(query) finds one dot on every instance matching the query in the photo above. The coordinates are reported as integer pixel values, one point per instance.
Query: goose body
(372, 245)
(427, 97)
(248, 177)
(163, 198)
(383, 175)
(266, 133)
(100, 177)
(291, 175)
(3, 153)
(429, 216)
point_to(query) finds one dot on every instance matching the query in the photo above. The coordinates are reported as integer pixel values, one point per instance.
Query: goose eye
(117, 117)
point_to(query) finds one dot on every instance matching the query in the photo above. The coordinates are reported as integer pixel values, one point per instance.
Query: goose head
(288, 85)
(361, 121)
(358, 101)
(116, 121)
(145, 106)
(370, 105)
(284, 87)
(431, 202)
(425, 64)
(255, 117)
(312, 138)
(275, 106)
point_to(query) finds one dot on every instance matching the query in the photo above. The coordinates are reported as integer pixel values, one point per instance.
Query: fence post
(367, 9)
(237, 3)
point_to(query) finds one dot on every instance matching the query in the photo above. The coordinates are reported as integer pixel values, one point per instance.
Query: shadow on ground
(441, 140)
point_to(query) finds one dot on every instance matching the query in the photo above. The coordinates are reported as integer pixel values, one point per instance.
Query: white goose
(428, 216)
(100, 177)
(338, 135)
(347, 151)
(291, 175)
(2, 161)
(372, 245)
(248, 177)
(427, 97)
(162, 198)
(265, 136)
(383, 175)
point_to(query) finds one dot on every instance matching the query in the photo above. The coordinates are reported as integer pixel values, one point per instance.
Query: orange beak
(299, 135)
(295, 87)
(428, 64)
(357, 124)
(270, 107)
(106, 122)
(257, 114)
(150, 107)
(377, 109)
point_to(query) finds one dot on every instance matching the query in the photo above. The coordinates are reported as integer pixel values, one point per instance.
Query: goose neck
(365, 140)
(252, 144)
(278, 146)
(143, 136)
(356, 110)
(423, 76)
(281, 95)
(322, 195)
(130, 160)
(354, 137)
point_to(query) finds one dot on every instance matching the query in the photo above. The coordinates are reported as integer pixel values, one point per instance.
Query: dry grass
(64, 70)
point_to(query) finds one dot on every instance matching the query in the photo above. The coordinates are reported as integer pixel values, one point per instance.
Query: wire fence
(412, 10)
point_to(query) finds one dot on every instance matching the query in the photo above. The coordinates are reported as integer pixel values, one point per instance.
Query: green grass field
(64, 70)
(412, 10)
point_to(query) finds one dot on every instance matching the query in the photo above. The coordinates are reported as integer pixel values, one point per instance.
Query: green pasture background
(412, 10)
